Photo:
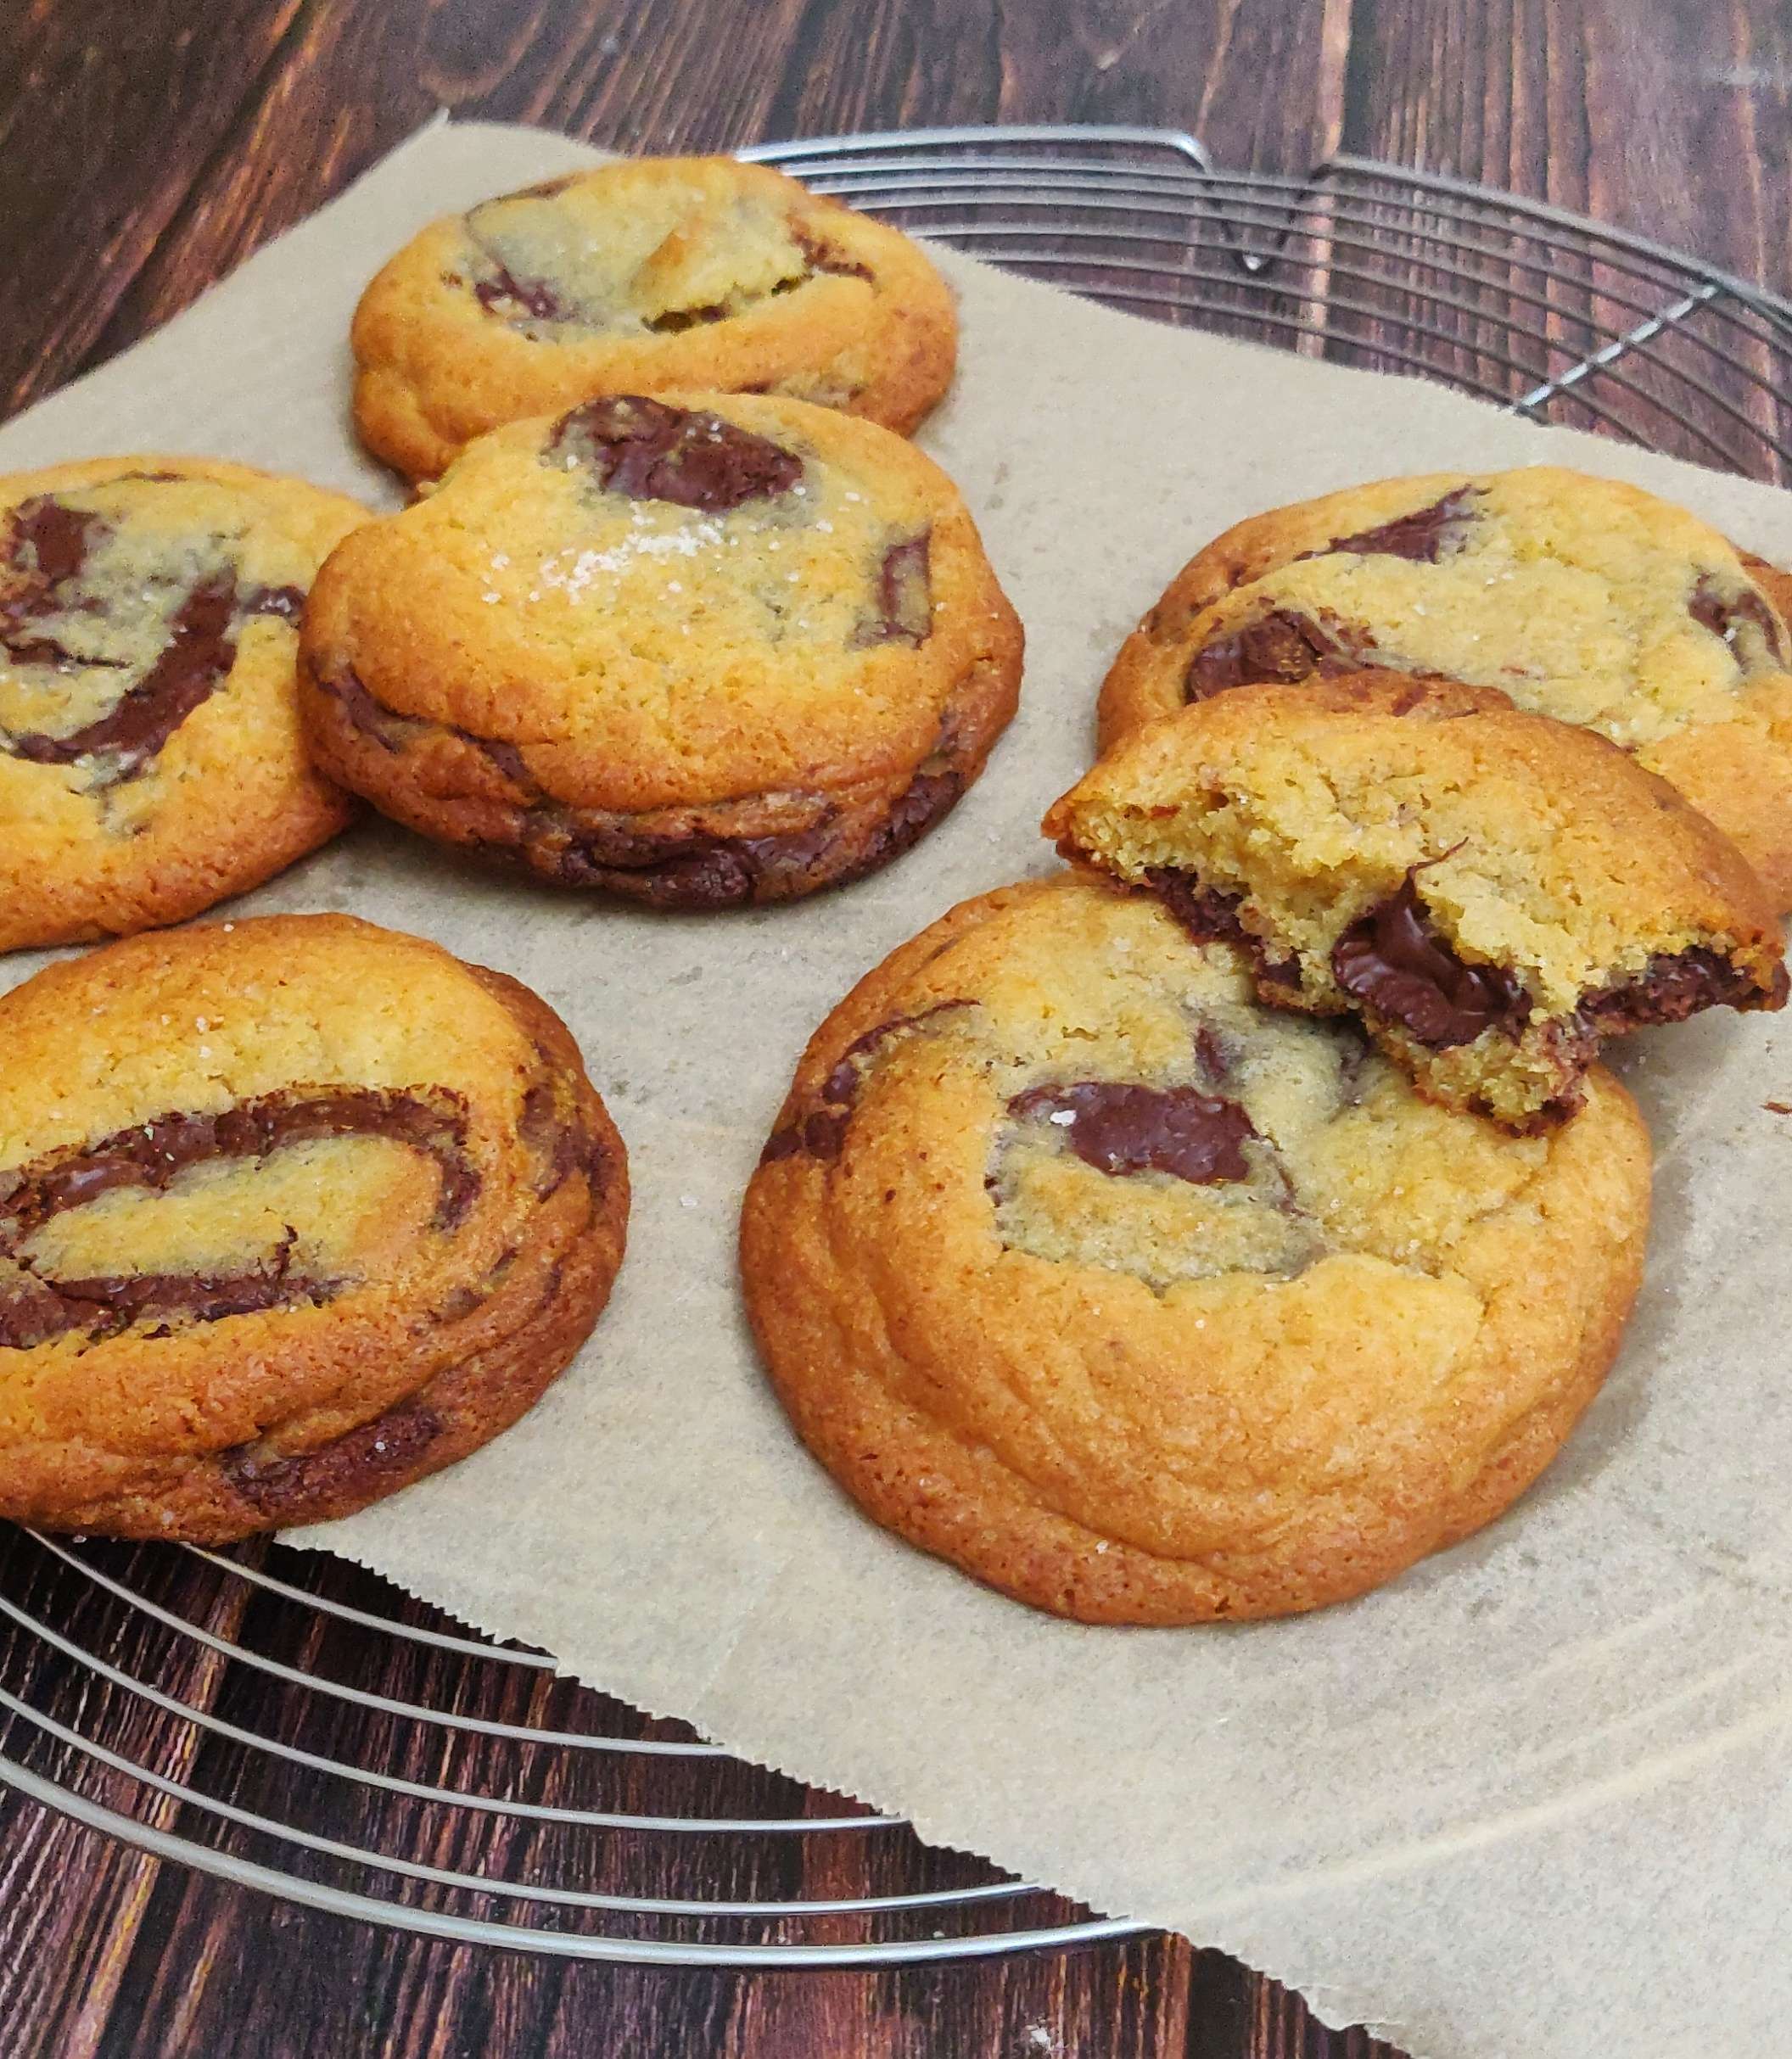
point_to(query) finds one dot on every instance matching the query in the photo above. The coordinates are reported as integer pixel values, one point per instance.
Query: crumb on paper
(1778, 1108)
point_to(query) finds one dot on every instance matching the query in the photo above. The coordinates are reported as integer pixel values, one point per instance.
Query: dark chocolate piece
(503, 291)
(59, 539)
(284, 603)
(49, 543)
(1421, 536)
(821, 1134)
(153, 1155)
(1210, 1053)
(1280, 646)
(277, 1488)
(1211, 916)
(821, 1131)
(686, 456)
(1674, 986)
(822, 257)
(387, 729)
(591, 849)
(1118, 1128)
(200, 651)
(562, 1144)
(34, 1310)
(1723, 615)
(905, 596)
(676, 320)
(1395, 963)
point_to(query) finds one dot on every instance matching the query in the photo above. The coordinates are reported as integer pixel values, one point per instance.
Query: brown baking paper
(1531, 1799)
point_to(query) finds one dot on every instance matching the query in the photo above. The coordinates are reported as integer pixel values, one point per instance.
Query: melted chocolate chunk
(391, 1444)
(52, 540)
(1210, 1053)
(1724, 615)
(821, 1134)
(822, 257)
(1211, 916)
(1280, 646)
(821, 1131)
(34, 1310)
(1675, 986)
(49, 544)
(504, 292)
(200, 651)
(698, 871)
(1395, 964)
(360, 711)
(283, 603)
(1420, 537)
(1122, 1129)
(563, 1144)
(579, 849)
(676, 320)
(650, 451)
(153, 1155)
(905, 596)
(1284, 644)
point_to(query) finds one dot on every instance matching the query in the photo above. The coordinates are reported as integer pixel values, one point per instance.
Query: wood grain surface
(147, 146)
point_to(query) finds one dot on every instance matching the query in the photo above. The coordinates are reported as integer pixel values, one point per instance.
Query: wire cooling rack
(213, 1708)
(1556, 317)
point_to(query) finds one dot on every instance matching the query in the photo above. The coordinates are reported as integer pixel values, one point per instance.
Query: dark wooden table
(146, 146)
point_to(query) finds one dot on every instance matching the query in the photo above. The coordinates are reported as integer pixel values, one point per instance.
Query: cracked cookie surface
(1491, 891)
(1079, 1266)
(645, 278)
(151, 761)
(293, 1211)
(723, 650)
(1581, 598)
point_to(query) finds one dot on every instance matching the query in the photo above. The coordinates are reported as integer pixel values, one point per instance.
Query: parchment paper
(1529, 1799)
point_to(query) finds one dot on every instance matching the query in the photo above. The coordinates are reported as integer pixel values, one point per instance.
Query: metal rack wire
(206, 1706)
(1558, 318)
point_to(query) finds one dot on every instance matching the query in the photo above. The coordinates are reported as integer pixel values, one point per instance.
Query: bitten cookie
(1581, 598)
(728, 650)
(1079, 1266)
(1491, 891)
(150, 755)
(292, 1212)
(645, 278)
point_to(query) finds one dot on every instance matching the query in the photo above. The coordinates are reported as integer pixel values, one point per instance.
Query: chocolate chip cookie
(1581, 598)
(724, 650)
(1491, 891)
(645, 278)
(292, 1212)
(150, 755)
(1077, 1266)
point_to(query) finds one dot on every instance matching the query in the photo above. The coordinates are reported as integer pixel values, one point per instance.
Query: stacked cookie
(1213, 1230)
(293, 1212)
